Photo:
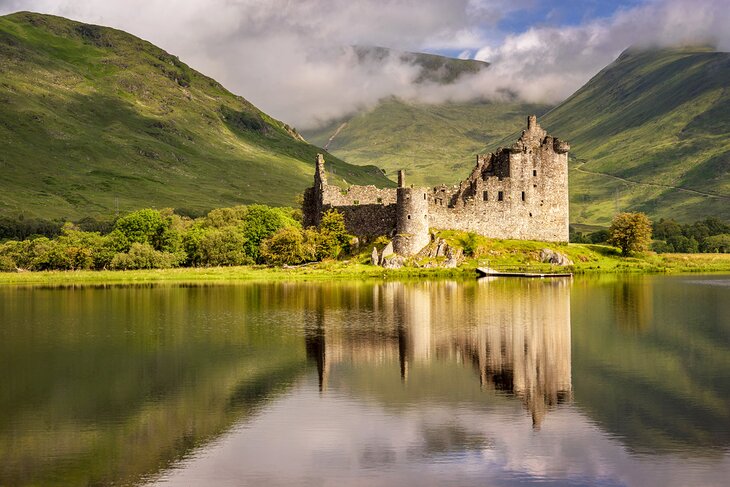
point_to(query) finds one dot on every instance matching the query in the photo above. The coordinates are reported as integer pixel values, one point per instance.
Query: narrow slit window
(485, 196)
(424, 196)
(534, 172)
(523, 196)
(409, 217)
(500, 196)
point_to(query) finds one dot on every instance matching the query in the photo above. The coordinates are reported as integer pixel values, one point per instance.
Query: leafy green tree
(598, 237)
(7, 264)
(718, 243)
(332, 238)
(682, 244)
(286, 246)
(631, 232)
(144, 226)
(260, 223)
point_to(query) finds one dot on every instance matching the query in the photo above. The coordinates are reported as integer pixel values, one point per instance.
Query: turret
(411, 219)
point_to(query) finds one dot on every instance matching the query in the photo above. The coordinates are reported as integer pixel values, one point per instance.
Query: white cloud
(286, 56)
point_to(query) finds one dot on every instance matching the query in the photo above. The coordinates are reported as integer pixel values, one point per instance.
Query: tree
(333, 237)
(286, 246)
(631, 232)
(718, 243)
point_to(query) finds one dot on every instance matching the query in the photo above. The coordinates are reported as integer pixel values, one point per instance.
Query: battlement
(519, 192)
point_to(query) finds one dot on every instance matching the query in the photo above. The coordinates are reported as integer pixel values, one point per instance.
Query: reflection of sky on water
(484, 398)
(308, 438)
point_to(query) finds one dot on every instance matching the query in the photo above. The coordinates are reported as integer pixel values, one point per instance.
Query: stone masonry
(519, 192)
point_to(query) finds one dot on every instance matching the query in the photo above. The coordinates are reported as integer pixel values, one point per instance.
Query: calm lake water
(595, 381)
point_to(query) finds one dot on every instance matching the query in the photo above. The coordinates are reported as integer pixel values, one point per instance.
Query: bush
(470, 244)
(144, 256)
(286, 246)
(7, 264)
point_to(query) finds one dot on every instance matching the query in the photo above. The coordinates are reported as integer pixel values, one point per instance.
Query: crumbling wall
(519, 192)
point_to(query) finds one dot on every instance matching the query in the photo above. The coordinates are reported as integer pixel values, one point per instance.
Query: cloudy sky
(291, 57)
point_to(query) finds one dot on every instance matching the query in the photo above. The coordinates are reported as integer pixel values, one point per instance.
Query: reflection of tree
(632, 304)
(516, 335)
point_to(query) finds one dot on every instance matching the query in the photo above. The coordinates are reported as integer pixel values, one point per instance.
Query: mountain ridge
(95, 121)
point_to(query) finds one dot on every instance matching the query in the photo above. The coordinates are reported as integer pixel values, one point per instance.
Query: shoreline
(349, 270)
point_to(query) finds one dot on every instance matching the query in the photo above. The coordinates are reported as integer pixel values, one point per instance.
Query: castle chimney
(401, 179)
(531, 122)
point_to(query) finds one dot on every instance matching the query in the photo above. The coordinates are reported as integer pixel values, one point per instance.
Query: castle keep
(519, 192)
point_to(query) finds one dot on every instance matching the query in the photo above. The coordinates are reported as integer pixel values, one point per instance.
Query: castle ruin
(519, 192)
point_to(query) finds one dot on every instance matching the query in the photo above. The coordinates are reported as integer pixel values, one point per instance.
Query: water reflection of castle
(515, 334)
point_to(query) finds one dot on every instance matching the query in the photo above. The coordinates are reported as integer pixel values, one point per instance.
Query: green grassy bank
(513, 255)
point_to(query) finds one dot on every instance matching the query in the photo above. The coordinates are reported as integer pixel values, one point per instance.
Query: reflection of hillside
(515, 334)
(108, 386)
(651, 362)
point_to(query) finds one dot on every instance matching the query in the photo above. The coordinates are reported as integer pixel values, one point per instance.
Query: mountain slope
(94, 120)
(650, 132)
(434, 143)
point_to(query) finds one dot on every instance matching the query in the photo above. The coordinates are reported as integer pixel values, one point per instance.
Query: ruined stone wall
(368, 211)
(517, 193)
(520, 192)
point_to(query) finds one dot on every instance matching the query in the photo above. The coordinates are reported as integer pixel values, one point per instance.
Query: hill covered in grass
(435, 144)
(651, 133)
(95, 121)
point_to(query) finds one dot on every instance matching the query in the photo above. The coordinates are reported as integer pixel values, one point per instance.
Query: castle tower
(411, 219)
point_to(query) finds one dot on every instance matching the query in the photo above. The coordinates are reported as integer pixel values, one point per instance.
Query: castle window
(424, 196)
(500, 196)
(530, 215)
(523, 196)
(534, 172)
(409, 217)
(356, 202)
(380, 200)
(485, 196)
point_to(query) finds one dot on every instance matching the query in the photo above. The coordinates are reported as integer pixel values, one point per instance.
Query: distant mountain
(434, 143)
(650, 132)
(94, 120)
(431, 67)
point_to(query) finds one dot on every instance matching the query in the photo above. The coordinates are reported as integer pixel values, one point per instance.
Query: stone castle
(519, 192)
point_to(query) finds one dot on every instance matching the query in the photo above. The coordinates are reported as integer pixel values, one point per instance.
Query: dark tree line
(710, 235)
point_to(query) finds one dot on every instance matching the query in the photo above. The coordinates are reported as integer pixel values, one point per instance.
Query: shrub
(470, 244)
(144, 256)
(286, 246)
(7, 264)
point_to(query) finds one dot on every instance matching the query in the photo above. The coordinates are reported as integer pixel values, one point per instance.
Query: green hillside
(94, 121)
(434, 143)
(650, 132)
